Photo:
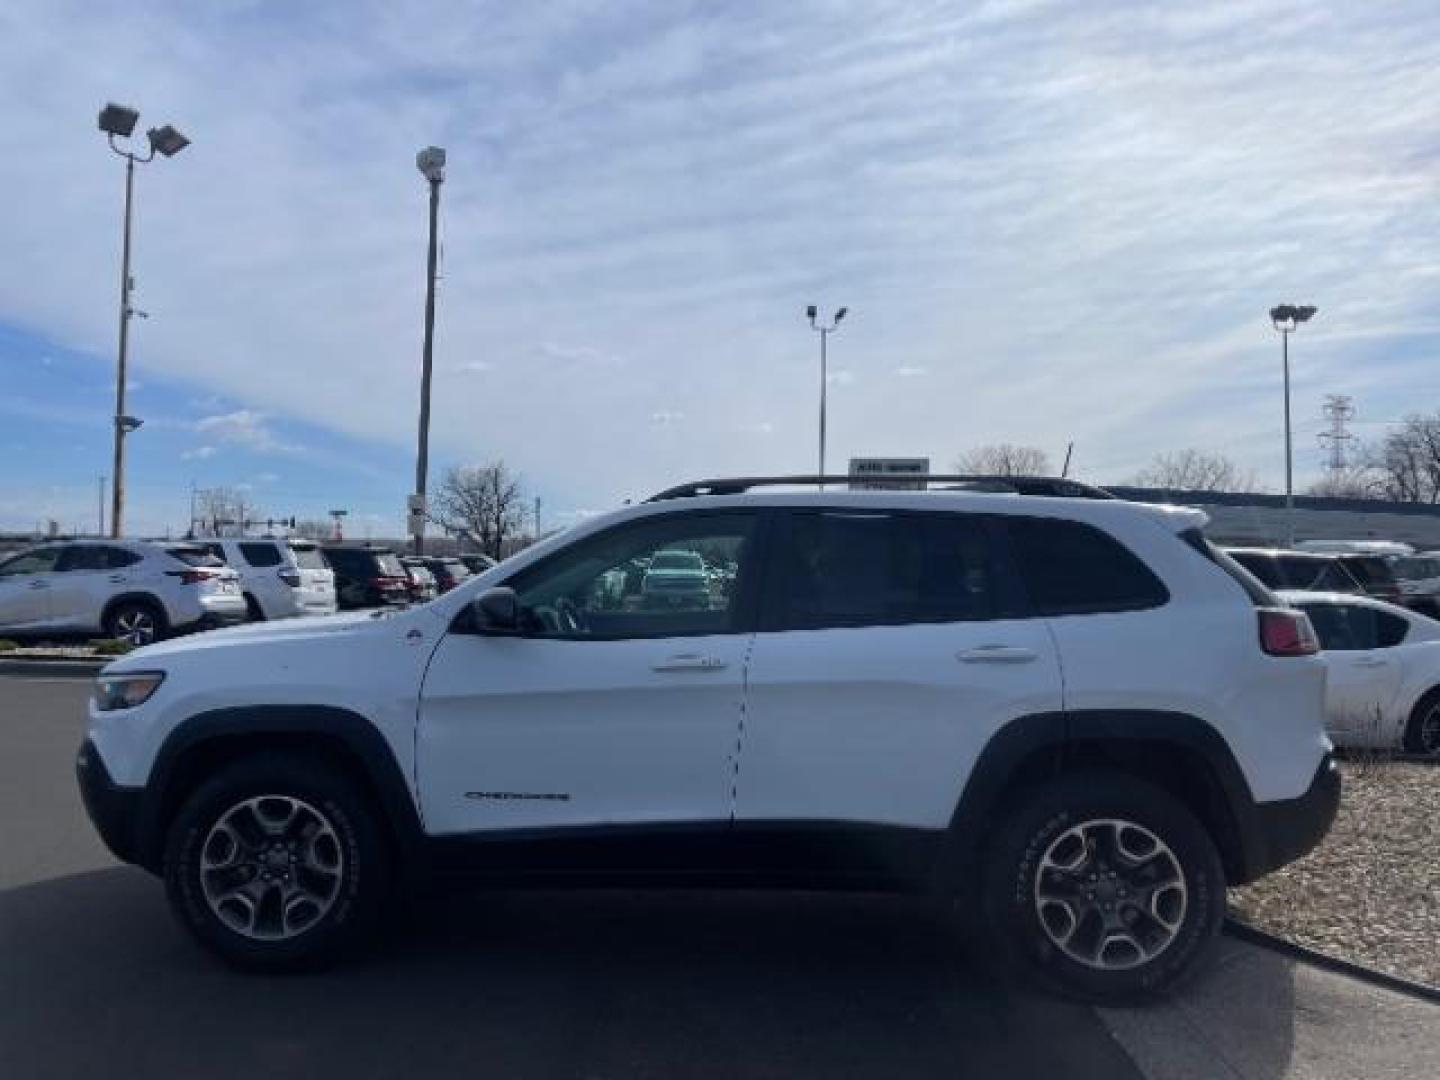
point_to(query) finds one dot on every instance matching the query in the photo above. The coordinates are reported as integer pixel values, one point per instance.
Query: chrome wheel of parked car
(1422, 734)
(1110, 894)
(136, 624)
(271, 867)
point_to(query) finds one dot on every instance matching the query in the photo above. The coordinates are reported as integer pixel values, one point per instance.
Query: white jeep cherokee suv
(1072, 717)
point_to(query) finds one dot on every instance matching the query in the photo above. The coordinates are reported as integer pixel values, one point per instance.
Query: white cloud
(244, 427)
(912, 371)
(1072, 216)
(473, 367)
(666, 416)
(199, 453)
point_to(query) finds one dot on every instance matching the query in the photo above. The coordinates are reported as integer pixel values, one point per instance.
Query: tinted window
(218, 550)
(603, 587)
(1072, 569)
(261, 554)
(39, 561)
(308, 557)
(1335, 578)
(81, 557)
(194, 556)
(1370, 570)
(1262, 566)
(1343, 627)
(1302, 573)
(1390, 630)
(844, 569)
(116, 558)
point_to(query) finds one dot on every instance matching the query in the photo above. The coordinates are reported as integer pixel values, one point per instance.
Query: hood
(265, 633)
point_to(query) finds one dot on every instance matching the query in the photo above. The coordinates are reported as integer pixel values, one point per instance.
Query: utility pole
(431, 163)
(537, 517)
(101, 508)
(1339, 411)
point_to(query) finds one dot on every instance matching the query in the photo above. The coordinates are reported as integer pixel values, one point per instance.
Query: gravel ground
(1371, 892)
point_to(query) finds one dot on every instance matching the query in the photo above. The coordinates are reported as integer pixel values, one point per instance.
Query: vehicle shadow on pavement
(1235, 1019)
(96, 976)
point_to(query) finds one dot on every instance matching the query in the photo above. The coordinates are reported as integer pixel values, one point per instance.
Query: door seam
(740, 726)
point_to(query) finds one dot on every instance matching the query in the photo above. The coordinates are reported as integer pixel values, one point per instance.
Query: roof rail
(1046, 486)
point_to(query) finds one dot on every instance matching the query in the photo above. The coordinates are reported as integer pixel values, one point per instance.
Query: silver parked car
(135, 590)
(278, 577)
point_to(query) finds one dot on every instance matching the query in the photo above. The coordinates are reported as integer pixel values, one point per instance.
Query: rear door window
(308, 557)
(194, 556)
(261, 555)
(1070, 568)
(841, 569)
(1344, 627)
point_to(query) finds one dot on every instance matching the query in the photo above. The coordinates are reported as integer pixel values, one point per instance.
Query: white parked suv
(134, 590)
(1072, 717)
(279, 577)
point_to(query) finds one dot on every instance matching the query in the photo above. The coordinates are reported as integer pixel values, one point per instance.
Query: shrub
(111, 647)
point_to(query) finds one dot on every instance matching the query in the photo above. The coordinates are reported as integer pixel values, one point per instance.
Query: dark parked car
(1376, 576)
(367, 577)
(448, 572)
(1309, 571)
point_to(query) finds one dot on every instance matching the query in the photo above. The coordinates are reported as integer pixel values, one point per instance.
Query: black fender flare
(356, 735)
(1059, 740)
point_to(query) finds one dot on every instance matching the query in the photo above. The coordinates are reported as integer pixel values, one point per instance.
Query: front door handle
(997, 654)
(117, 579)
(1369, 661)
(689, 662)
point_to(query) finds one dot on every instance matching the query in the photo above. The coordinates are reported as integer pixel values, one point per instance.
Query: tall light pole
(118, 121)
(824, 332)
(1287, 318)
(431, 163)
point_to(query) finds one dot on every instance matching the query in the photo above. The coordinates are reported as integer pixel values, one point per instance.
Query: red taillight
(1284, 632)
(193, 577)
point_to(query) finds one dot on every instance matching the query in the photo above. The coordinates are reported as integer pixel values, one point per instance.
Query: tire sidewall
(1411, 742)
(1013, 863)
(355, 907)
(153, 610)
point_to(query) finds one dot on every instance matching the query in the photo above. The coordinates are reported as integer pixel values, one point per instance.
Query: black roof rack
(1046, 486)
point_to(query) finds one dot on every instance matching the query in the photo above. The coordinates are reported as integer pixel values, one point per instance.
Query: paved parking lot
(592, 984)
(95, 975)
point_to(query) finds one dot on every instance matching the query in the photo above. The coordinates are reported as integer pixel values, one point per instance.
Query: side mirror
(496, 611)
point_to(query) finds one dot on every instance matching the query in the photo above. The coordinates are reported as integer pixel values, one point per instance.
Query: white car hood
(268, 633)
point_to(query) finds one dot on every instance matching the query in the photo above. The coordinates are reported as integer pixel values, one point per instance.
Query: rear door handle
(689, 662)
(39, 585)
(1369, 661)
(997, 654)
(117, 579)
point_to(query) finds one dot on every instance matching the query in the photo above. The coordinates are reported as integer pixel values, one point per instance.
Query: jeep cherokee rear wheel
(276, 862)
(1103, 887)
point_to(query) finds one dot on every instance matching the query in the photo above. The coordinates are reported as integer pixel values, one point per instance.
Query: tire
(1422, 730)
(253, 611)
(1153, 864)
(140, 622)
(244, 907)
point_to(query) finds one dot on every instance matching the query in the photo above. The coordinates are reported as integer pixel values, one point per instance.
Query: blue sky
(1050, 221)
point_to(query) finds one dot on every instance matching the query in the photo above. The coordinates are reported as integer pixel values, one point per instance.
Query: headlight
(127, 690)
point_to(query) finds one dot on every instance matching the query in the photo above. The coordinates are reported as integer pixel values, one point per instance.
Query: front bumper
(1289, 829)
(114, 810)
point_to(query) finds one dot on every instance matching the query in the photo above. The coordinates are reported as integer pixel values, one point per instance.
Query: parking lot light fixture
(431, 163)
(811, 312)
(118, 122)
(1286, 319)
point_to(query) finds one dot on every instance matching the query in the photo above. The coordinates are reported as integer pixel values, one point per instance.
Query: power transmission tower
(1339, 411)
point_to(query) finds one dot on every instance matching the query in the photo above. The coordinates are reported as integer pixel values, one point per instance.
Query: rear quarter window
(261, 554)
(194, 556)
(308, 557)
(1070, 568)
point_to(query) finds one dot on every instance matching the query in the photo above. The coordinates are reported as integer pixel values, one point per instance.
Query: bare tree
(314, 529)
(483, 504)
(1407, 462)
(223, 511)
(1004, 459)
(1360, 481)
(1196, 470)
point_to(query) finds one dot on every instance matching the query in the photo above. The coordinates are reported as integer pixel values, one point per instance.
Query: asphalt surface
(96, 979)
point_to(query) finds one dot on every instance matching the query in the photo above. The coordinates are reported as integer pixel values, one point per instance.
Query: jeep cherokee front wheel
(1104, 887)
(275, 862)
